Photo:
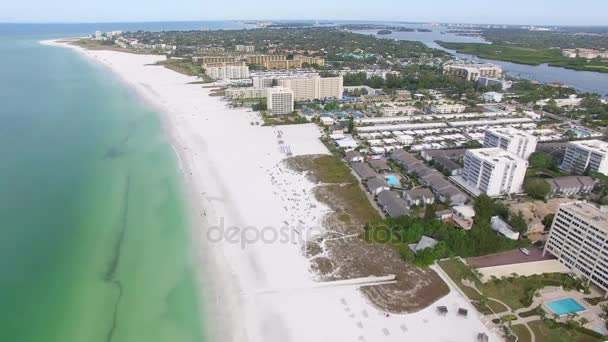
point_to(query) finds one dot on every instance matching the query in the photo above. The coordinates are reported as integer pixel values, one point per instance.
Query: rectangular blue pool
(565, 306)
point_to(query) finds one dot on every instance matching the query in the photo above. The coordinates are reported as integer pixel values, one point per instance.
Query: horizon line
(285, 20)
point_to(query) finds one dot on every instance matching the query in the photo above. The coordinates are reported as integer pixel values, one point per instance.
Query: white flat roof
(495, 154)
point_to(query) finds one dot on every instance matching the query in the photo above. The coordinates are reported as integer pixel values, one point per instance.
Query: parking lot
(509, 258)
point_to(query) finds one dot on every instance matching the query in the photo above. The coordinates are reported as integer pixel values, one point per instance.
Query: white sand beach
(263, 290)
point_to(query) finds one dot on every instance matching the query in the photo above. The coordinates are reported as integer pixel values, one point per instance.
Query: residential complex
(245, 93)
(518, 142)
(306, 87)
(230, 72)
(279, 100)
(245, 48)
(493, 171)
(447, 108)
(214, 59)
(472, 72)
(578, 238)
(271, 62)
(586, 155)
(489, 81)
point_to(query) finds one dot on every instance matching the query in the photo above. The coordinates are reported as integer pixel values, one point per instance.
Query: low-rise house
(392, 204)
(363, 170)
(377, 185)
(503, 228)
(448, 165)
(419, 197)
(452, 195)
(379, 165)
(424, 243)
(353, 156)
(463, 216)
(407, 160)
(326, 120)
(571, 185)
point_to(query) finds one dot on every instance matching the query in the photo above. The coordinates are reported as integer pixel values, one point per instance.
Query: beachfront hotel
(305, 87)
(472, 72)
(274, 62)
(518, 142)
(229, 72)
(279, 100)
(588, 155)
(493, 171)
(245, 93)
(578, 238)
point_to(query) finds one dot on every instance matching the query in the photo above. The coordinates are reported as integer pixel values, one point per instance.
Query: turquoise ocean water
(95, 239)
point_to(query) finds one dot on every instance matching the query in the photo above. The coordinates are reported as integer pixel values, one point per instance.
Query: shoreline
(234, 173)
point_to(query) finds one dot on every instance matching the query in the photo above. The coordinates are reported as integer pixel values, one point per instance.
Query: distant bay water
(95, 243)
(585, 81)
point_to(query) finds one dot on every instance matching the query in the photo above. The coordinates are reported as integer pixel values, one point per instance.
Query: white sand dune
(263, 290)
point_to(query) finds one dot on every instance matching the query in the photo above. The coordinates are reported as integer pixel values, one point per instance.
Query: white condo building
(228, 72)
(586, 155)
(518, 142)
(494, 171)
(472, 72)
(579, 239)
(279, 100)
(306, 87)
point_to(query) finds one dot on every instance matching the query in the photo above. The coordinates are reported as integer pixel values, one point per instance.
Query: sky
(538, 12)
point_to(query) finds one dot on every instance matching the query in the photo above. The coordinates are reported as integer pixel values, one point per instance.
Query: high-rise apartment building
(579, 239)
(494, 171)
(518, 142)
(279, 100)
(587, 155)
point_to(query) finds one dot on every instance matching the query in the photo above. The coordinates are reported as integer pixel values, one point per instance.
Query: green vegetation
(526, 55)
(182, 66)
(336, 43)
(542, 165)
(602, 192)
(542, 160)
(516, 292)
(480, 240)
(523, 333)
(537, 311)
(458, 271)
(594, 300)
(340, 189)
(565, 38)
(508, 318)
(549, 330)
(529, 92)
(537, 188)
(414, 78)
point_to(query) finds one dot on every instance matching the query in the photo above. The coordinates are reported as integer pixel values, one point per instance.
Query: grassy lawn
(458, 271)
(516, 292)
(325, 169)
(523, 333)
(525, 55)
(544, 333)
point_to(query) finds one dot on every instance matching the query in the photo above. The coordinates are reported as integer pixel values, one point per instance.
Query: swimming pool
(565, 306)
(392, 180)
